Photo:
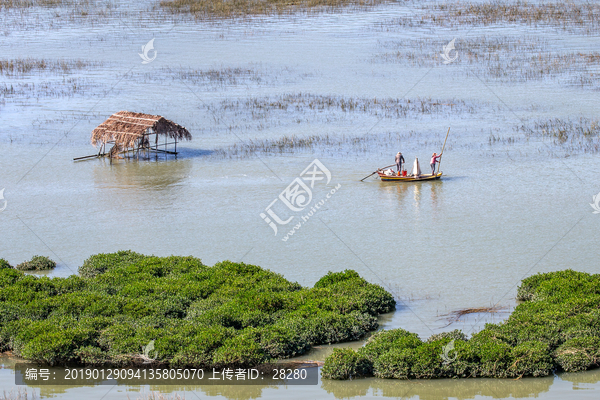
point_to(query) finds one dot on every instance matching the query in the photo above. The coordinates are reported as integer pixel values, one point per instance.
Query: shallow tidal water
(504, 211)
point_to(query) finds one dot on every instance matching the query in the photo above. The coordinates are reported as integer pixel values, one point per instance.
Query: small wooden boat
(408, 178)
(415, 175)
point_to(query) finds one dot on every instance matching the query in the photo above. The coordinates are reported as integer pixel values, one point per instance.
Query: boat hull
(423, 177)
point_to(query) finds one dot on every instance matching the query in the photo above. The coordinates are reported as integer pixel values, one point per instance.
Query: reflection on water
(234, 392)
(143, 174)
(436, 188)
(583, 377)
(435, 389)
(138, 187)
(417, 198)
(401, 190)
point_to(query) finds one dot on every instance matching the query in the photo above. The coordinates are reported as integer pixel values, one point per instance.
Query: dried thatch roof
(124, 127)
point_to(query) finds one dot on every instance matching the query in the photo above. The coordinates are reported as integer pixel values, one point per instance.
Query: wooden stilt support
(89, 157)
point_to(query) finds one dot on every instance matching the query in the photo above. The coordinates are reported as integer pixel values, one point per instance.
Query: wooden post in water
(443, 147)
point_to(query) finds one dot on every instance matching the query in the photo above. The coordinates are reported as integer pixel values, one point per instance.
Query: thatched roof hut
(131, 131)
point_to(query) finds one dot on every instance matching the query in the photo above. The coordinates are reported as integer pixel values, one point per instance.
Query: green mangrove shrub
(99, 263)
(578, 354)
(37, 263)
(230, 314)
(346, 364)
(557, 328)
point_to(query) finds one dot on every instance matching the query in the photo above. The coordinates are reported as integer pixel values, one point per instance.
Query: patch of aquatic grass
(331, 144)
(226, 76)
(292, 144)
(565, 15)
(44, 126)
(242, 8)
(581, 17)
(8, 4)
(57, 80)
(505, 58)
(563, 130)
(227, 315)
(425, 51)
(68, 87)
(523, 67)
(54, 15)
(229, 76)
(383, 107)
(44, 122)
(497, 139)
(557, 328)
(300, 112)
(573, 136)
(20, 66)
(261, 113)
(20, 4)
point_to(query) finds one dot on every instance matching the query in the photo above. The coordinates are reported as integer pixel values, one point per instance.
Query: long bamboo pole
(443, 147)
(376, 172)
(86, 157)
